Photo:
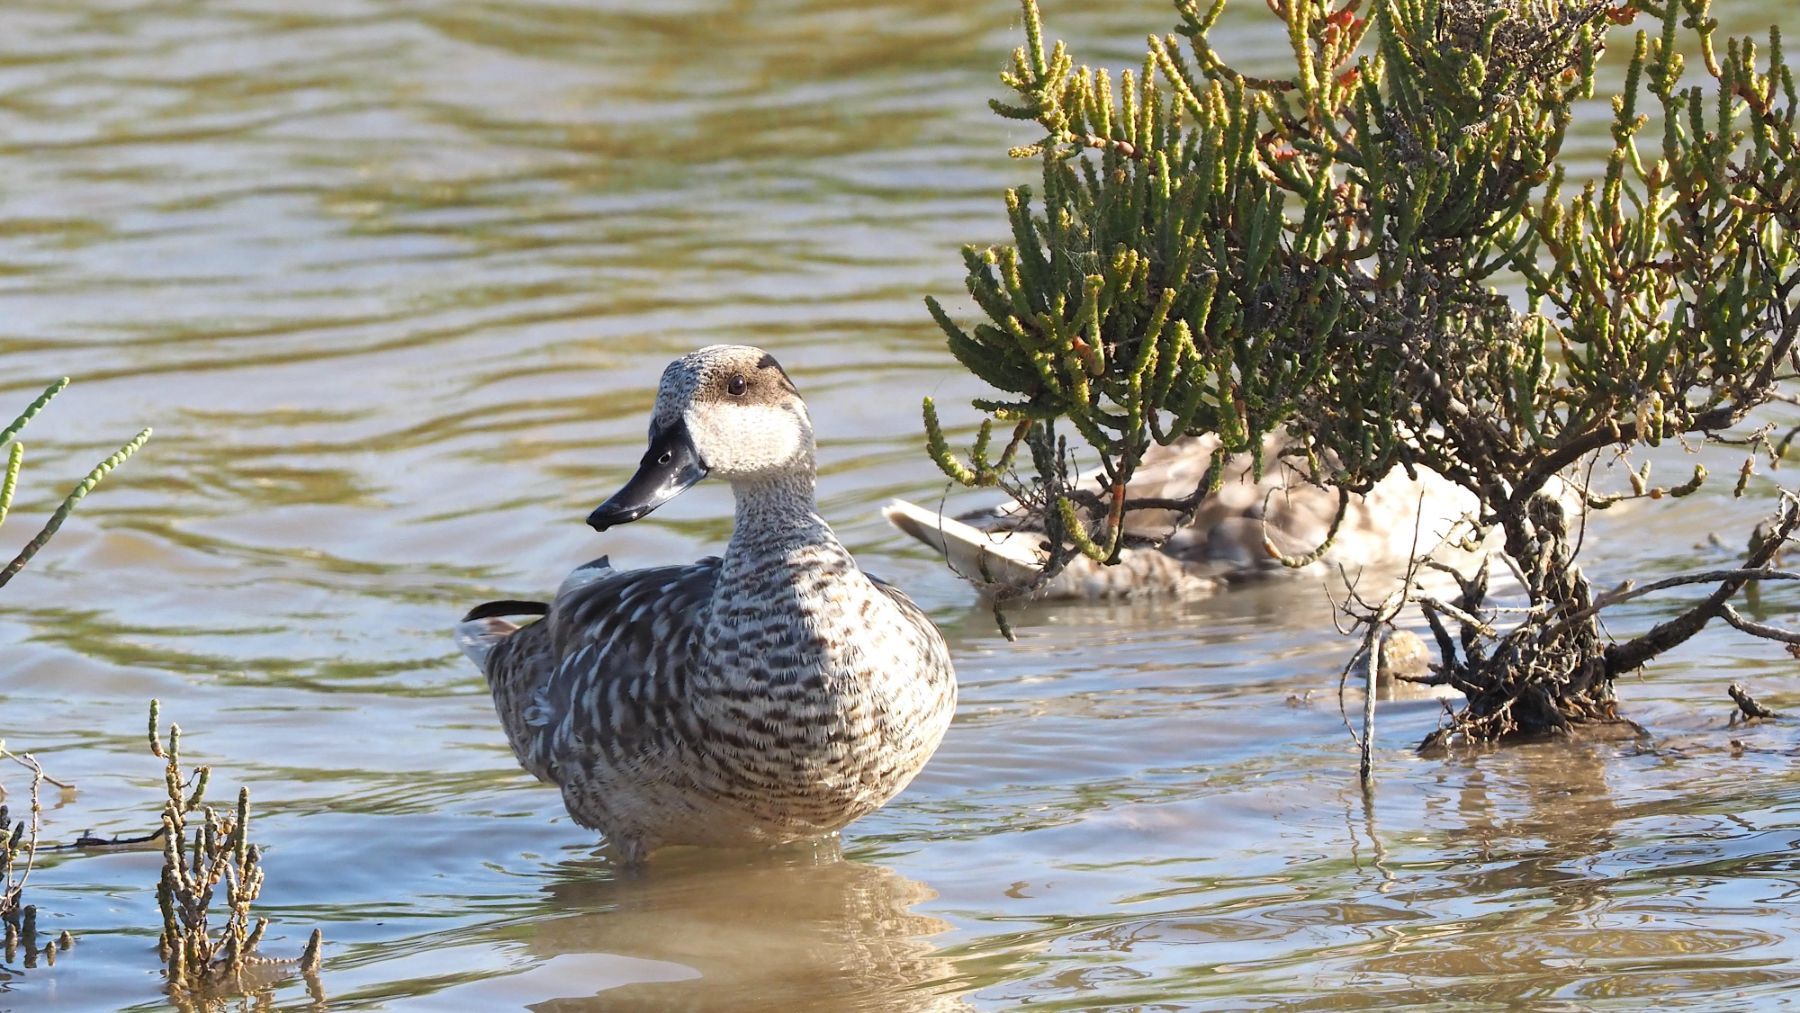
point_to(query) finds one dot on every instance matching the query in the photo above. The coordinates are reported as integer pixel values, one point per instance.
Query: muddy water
(393, 284)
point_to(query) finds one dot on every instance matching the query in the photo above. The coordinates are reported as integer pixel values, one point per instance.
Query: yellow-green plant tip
(241, 831)
(202, 776)
(33, 408)
(1077, 531)
(939, 448)
(15, 458)
(1692, 484)
(81, 489)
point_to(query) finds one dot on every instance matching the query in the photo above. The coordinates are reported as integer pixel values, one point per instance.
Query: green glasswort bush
(1320, 254)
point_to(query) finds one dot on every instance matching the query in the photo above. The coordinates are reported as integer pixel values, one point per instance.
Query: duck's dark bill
(669, 466)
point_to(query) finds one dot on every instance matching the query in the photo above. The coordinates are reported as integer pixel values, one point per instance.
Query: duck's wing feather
(603, 673)
(984, 555)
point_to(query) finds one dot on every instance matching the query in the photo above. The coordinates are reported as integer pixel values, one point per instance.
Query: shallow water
(394, 283)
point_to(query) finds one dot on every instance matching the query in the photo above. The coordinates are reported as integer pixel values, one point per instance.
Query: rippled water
(394, 282)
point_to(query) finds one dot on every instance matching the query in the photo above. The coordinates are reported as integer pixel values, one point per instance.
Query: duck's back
(597, 679)
(621, 697)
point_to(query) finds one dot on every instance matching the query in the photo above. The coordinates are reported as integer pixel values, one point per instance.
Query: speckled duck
(773, 694)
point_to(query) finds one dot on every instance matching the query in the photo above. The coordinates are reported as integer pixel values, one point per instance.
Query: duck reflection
(798, 928)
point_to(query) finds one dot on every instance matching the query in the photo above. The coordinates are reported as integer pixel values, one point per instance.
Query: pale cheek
(740, 439)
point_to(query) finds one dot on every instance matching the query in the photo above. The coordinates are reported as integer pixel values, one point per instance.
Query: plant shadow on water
(1575, 873)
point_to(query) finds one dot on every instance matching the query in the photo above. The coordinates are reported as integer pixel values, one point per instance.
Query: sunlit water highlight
(394, 283)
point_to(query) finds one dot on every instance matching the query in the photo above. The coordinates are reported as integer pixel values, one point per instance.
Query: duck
(771, 694)
(1001, 549)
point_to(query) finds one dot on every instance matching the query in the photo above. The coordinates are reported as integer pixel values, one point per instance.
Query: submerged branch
(1747, 704)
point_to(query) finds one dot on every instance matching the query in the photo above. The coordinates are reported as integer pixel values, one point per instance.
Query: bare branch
(1736, 618)
(31, 764)
(1620, 658)
(1625, 594)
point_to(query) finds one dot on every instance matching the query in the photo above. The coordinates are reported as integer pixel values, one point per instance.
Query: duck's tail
(486, 625)
(987, 558)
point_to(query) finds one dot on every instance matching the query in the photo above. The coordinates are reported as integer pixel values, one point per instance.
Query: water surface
(394, 284)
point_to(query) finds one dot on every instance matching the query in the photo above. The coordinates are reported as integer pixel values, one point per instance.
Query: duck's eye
(737, 385)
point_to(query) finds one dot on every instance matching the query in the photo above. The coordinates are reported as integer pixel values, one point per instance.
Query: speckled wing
(600, 679)
(924, 633)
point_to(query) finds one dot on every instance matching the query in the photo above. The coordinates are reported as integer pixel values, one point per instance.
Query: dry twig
(1747, 705)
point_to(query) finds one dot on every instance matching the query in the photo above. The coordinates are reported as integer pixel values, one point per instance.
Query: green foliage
(1152, 294)
(16, 458)
(1658, 299)
(1216, 251)
(203, 849)
(1323, 253)
(199, 854)
(19, 842)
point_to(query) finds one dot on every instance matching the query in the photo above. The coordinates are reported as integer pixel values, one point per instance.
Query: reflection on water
(797, 928)
(394, 284)
(1541, 867)
(789, 931)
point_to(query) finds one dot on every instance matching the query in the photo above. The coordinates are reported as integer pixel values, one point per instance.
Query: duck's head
(729, 411)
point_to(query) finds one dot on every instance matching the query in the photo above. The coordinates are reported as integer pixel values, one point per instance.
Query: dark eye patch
(768, 362)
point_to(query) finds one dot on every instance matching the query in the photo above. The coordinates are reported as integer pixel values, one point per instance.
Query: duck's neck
(777, 517)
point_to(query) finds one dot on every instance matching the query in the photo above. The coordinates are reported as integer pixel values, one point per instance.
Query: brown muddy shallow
(393, 284)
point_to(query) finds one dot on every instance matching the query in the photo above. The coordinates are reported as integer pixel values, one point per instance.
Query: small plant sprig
(19, 841)
(15, 458)
(18, 851)
(194, 865)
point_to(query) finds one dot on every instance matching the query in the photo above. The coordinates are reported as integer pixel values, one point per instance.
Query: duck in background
(1168, 554)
